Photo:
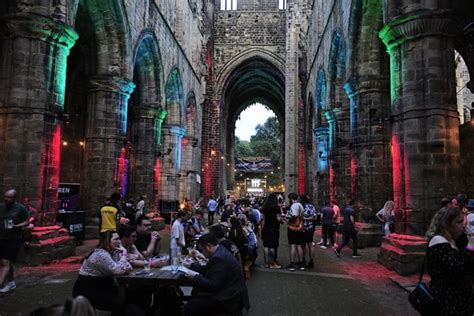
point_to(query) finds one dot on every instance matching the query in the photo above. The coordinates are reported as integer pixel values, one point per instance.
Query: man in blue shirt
(211, 208)
(348, 231)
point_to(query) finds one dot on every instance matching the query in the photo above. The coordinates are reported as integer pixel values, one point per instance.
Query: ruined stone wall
(239, 31)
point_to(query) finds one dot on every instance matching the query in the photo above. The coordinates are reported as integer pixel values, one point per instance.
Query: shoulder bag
(420, 298)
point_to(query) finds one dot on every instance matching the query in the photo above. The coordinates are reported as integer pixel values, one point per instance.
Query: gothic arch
(113, 43)
(255, 53)
(321, 97)
(174, 99)
(336, 69)
(148, 69)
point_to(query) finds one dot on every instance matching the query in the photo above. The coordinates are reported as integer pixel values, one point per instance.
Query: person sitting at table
(95, 280)
(128, 237)
(220, 285)
(148, 241)
(220, 232)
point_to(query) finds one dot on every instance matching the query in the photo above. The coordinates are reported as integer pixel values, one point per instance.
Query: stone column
(145, 143)
(188, 188)
(321, 137)
(369, 128)
(210, 148)
(171, 163)
(425, 131)
(106, 150)
(34, 52)
(291, 110)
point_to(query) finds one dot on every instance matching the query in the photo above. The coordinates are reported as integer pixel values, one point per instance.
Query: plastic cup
(147, 265)
(174, 265)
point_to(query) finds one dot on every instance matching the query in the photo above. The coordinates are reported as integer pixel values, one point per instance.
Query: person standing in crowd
(95, 280)
(387, 216)
(211, 210)
(220, 205)
(140, 208)
(295, 233)
(451, 269)
(470, 225)
(148, 241)
(348, 231)
(13, 218)
(177, 239)
(219, 287)
(110, 213)
(271, 230)
(328, 224)
(32, 218)
(337, 220)
(309, 217)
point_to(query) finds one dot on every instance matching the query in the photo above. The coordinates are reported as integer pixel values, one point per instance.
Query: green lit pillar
(425, 130)
(106, 151)
(34, 52)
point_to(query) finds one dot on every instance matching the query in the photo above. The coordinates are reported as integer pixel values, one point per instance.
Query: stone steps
(48, 243)
(403, 253)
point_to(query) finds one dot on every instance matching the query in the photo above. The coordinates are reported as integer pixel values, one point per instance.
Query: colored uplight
(301, 169)
(353, 176)
(397, 173)
(121, 171)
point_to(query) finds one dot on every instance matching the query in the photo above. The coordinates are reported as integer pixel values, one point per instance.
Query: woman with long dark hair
(95, 280)
(271, 230)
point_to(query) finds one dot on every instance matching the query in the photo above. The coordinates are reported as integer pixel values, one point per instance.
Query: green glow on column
(158, 124)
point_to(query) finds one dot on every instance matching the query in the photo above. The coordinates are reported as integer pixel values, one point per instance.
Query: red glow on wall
(121, 172)
(332, 193)
(49, 176)
(397, 169)
(301, 169)
(184, 141)
(353, 177)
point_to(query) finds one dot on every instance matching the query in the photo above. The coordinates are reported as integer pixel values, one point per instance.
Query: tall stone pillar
(210, 148)
(291, 110)
(171, 163)
(188, 188)
(145, 143)
(369, 128)
(34, 52)
(321, 137)
(425, 131)
(106, 150)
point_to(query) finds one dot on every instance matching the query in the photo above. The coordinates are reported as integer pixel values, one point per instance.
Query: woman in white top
(386, 216)
(95, 280)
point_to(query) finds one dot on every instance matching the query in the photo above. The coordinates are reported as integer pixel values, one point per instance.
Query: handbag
(420, 298)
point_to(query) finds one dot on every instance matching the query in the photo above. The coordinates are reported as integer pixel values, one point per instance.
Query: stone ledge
(402, 253)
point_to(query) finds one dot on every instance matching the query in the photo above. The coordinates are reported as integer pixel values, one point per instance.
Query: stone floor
(336, 286)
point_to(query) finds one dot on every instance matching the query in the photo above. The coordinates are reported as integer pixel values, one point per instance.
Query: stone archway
(250, 78)
(144, 119)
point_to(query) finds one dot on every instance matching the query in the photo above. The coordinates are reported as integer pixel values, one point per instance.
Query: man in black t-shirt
(148, 241)
(13, 218)
(348, 231)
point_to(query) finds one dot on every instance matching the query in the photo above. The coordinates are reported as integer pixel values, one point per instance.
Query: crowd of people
(224, 252)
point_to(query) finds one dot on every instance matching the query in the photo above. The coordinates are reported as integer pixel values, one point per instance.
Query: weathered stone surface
(403, 253)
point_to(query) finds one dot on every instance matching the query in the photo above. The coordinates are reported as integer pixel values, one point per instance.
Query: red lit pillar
(34, 52)
(425, 130)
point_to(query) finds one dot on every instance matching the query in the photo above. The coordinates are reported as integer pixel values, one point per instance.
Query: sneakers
(337, 252)
(301, 266)
(274, 265)
(291, 267)
(322, 247)
(356, 255)
(8, 287)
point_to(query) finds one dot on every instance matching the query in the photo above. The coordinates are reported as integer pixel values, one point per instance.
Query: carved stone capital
(366, 85)
(418, 25)
(38, 27)
(149, 111)
(111, 84)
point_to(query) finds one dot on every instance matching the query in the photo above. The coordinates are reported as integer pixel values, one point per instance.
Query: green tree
(242, 148)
